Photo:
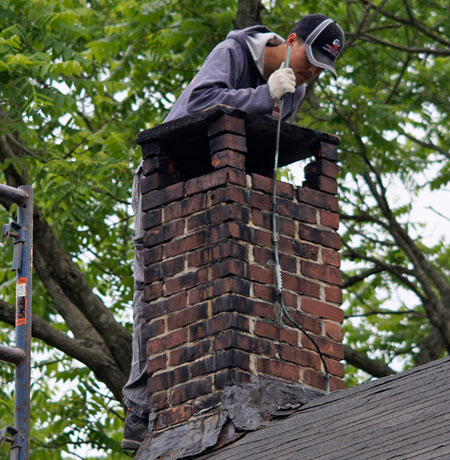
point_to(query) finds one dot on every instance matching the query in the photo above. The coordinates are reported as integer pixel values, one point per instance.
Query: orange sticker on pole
(21, 302)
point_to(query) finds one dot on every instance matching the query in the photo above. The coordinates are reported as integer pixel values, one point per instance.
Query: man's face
(303, 69)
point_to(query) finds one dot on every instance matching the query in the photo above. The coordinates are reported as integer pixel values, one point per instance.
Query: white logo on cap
(336, 43)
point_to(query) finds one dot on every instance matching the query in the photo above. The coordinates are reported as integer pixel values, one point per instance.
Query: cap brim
(320, 59)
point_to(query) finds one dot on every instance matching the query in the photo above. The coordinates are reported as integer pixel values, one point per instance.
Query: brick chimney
(222, 357)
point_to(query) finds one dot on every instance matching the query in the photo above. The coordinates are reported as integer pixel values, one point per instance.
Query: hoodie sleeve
(223, 79)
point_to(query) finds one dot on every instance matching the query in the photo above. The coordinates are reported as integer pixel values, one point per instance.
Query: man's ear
(292, 39)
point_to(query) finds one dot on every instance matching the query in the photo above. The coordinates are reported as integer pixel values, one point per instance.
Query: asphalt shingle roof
(402, 417)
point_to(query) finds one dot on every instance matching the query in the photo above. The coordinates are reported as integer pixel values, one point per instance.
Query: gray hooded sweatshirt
(231, 76)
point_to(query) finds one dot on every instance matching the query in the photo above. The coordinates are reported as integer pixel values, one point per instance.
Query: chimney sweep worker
(246, 71)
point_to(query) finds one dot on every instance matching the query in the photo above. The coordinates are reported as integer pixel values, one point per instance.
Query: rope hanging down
(278, 275)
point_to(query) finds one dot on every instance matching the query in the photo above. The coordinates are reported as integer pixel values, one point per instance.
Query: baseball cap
(323, 38)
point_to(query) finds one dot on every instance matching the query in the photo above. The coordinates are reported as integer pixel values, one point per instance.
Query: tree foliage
(79, 79)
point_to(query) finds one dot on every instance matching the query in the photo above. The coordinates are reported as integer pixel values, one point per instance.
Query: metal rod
(12, 355)
(14, 195)
(23, 329)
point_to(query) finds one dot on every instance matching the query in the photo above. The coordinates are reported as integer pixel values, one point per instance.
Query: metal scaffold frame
(22, 234)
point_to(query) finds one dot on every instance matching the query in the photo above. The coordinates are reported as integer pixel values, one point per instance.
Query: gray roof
(404, 416)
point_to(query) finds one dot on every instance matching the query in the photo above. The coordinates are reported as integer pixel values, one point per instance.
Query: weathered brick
(187, 243)
(322, 183)
(329, 219)
(191, 390)
(310, 323)
(280, 334)
(167, 342)
(304, 250)
(321, 272)
(304, 358)
(327, 347)
(327, 151)
(238, 340)
(333, 294)
(156, 364)
(163, 233)
(322, 309)
(260, 201)
(318, 199)
(189, 353)
(261, 275)
(167, 379)
(190, 315)
(279, 369)
(218, 251)
(229, 194)
(157, 198)
(227, 123)
(314, 379)
(228, 141)
(227, 267)
(217, 214)
(153, 291)
(162, 307)
(220, 360)
(164, 269)
(158, 164)
(155, 328)
(218, 287)
(331, 257)
(151, 219)
(206, 402)
(158, 401)
(264, 219)
(297, 211)
(172, 416)
(232, 302)
(215, 179)
(186, 281)
(218, 323)
(325, 237)
(335, 367)
(322, 167)
(156, 181)
(229, 377)
(263, 256)
(228, 158)
(152, 148)
(300, 285)
(265, 184)
(185, 207)
(152, 255)
(334, 331)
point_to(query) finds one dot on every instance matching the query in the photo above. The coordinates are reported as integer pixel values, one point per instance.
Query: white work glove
(282, 81)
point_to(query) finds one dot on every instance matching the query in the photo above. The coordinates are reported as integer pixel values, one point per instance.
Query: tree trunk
(248, 14)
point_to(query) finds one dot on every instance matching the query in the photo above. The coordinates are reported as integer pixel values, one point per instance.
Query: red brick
(156, 364)
(263, 256)
(335, 367)
(153, 291)
(228, 141)
(322, 167)
(164, 269)
(279, 369)
(322, 183)
(157, 198)
(297, 211)
(304, 250)
(162, 307)
(218, 251)
(261, 275)
(326, 238)
(151, 219)
(155, 328)
(240, 231)
(228, 194)
(218, 287)
(331, 257)
(264, 219)
(186, 244)
(173, 416)
(227, 267)
(191, 390)
(156, 181)
(318, 199)
(228, 377)
(158, 164)
(190, 315)
(158, 401)
(158, 235)
(265, 292)
(271, 331)
(215, 179)
(236, 339)
(336, 384)
(167, 342)
(314, 379)
(333, 294)
(322, 309)
(327, 347)
(185, 207)
(311, 324)
(150, 256)
(329, 219)
(260, 201)
(333, 330)
(222, 322)
(265, 184)
(327, 151)
(217, 214)
(300, 285)
(227, 123)
(221, 360)
(167, 379)
(321, 272)
(304, 358)
(228, 158)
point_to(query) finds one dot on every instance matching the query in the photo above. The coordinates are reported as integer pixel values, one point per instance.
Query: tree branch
(374, 367)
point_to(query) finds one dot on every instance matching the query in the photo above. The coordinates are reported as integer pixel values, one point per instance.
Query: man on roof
(246, 71)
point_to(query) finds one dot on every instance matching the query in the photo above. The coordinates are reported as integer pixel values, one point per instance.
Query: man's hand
(282, 81)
